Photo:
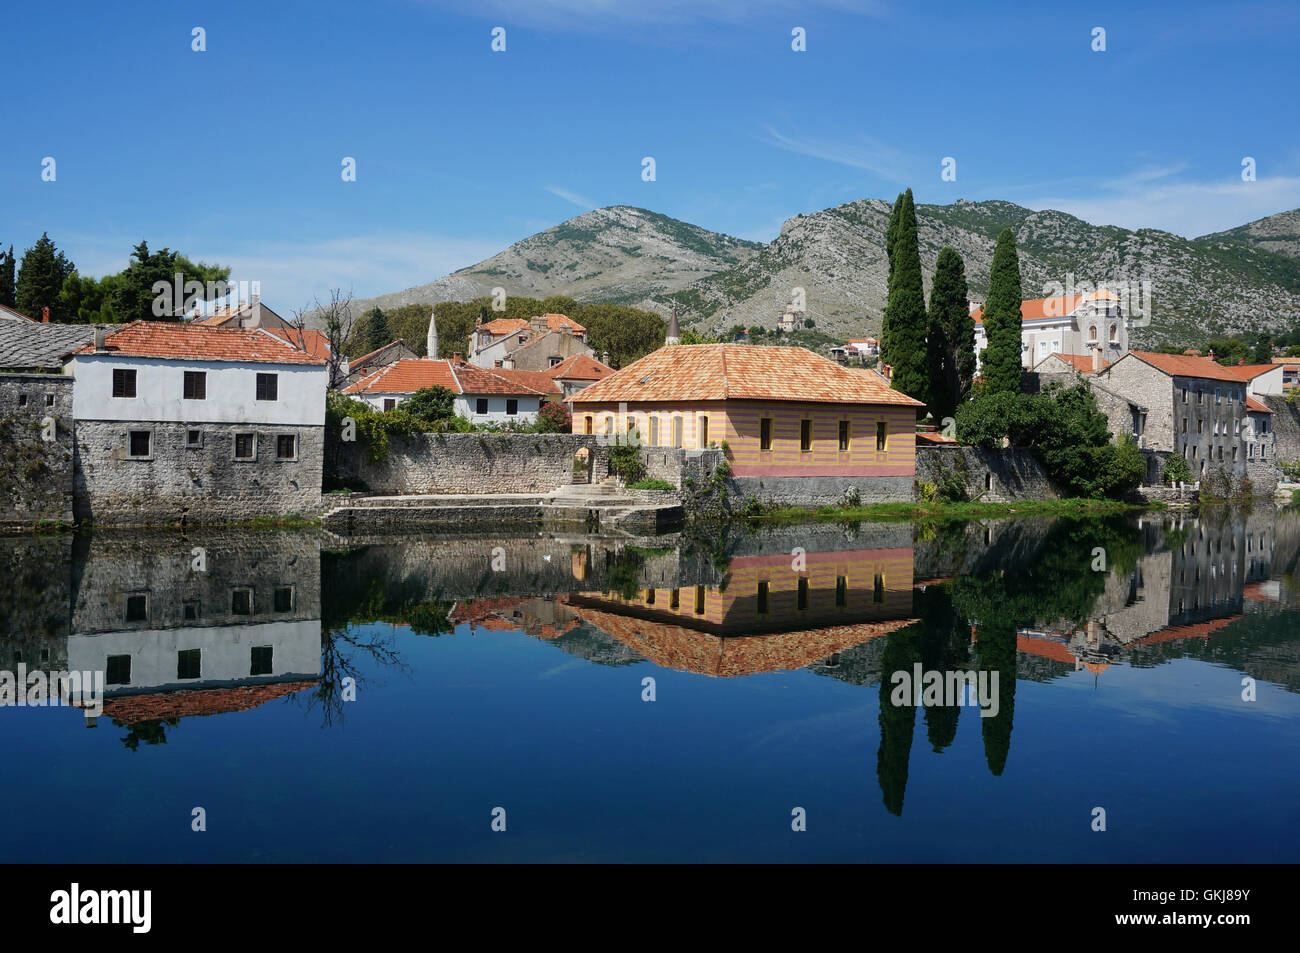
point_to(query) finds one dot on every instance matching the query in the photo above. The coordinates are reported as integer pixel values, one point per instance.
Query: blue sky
(234, 154)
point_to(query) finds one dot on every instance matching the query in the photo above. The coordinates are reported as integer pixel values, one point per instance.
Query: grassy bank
(903, 512)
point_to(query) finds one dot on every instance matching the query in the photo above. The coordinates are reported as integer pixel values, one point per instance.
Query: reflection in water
(217, 622)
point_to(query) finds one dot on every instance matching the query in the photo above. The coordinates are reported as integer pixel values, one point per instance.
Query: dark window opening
(765, 434)
(139, 443)
(261, 660)
(481, 405)
(805, 435)
(123, 382)
(882, 436)
(118, 670)
(286, 446)
(878, 588)
(189, 663)
(844, 436)
(241, 602)
(268, 387)
(841, 591)
(196, 385)
(245, 446)
(194, 438)
(512, 407)
(190, 610)
(803, 592)
(762, 596)
(699, 600)
(282, 599)
(137, 608)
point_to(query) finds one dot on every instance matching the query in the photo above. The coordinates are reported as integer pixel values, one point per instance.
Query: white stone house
(1069, 324)
(180, 422)
(481, 396)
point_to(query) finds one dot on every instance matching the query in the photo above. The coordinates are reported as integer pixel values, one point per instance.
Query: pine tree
(40, 279)
(8, 284)
(905, 318)
(1002, 367)
(890, 230)
(950, 337)
(377, 334)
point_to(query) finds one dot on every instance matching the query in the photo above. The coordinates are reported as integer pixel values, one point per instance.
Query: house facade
(390, 353)
(480, 396)
(538, 344)
(577, 372)
(175, 422)
(1069, 324)
(246, 314)
(789, 418)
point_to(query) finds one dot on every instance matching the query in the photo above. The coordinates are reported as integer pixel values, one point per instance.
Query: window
(123, 382)
(137, 608)
(654, 431)
(194, 439)
(49, 400)
(587, 424)
(699, 600)
(1092, 333)
(1184, 395)
(803, 592)
(765, 433)
(878, 588)
(678, 426)
(1184, 425)
(191, 610)
(609, 425)
(196, 385)
(704, 431)
(22, 400)
(118, 670)
(1218, 396)
(554, 360)
(1114, 334)
(496, 363)
(286, 446)
(1250, 450)
(189, 664)
(139, 444)
(650, 597)
(1200, 396)
(267, 387)
(241, 602)
(282, 599)
(481, 405)
(1200, 426)
(805, 436)
(762, 596)
(675, 599)
(841, 591)
(245, 446)
(844, 436)
(390, 403)
(882, 436)
(261, 661)
(1236, 427)
(512, 406)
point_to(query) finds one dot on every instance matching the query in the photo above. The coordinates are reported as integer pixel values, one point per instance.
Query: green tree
(905, 315)
(40, 279)
(377, 333)
(1229, 351)
(1002, 367)
(1263, 350)
(146, 289)
(8, 283)
(950, 336)
(430, 404)
(891, 229)
(554, 417)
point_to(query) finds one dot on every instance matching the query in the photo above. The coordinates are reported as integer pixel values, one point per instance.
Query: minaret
(674, 332)
(431, 342)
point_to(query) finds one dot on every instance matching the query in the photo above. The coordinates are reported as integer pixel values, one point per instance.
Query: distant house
(313, 342)
(175, 422)
(1069, 324)
(246, 314)
(534, 345)
(481, 396)
(786, 414)
(390, 353)
(577, 372)
(791, 319)
(856, 350)
(1264, 379)
(1260, 441)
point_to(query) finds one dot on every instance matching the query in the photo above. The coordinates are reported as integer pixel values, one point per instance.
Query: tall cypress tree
(1002, 368)
(40, 279)
(377, 334)
(950, 337)
(905, 318)
(8, 284)
(891, 229)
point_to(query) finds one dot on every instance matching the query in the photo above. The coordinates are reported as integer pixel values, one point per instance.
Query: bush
(625, 461)
(554, 418)
(651, 483)
(1176, 470)
(431, 404)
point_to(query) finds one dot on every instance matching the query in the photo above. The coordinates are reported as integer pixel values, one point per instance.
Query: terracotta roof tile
(1081, 362)
(1185, 366)
(580, 367)
(1248, 372)
(315, 343)
(196, 343)
(739, 372)
(408, 376)
(1038, 309)
(1257, 406)
(554, 322)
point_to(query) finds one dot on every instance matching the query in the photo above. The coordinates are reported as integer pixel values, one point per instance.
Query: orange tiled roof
(193, 342)
(927, 437)
(134, 709)
(1185, 366)
(739, 372)
(1248, 372)
(539, 381)
(315, 343)
(1202, 630)
(1037, 309)
(1081, 362)
(412, 374)
(580, 367)
(554, 322)
(1257, 406)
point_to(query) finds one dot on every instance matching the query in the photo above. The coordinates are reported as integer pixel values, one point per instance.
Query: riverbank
(902, 512)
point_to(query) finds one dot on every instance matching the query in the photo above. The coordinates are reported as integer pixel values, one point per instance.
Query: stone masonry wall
(1286, 428)
(35, 473)
(468, 463)
(997, 474)
(200, 485)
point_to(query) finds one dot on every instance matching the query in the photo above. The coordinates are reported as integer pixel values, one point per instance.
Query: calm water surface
(662, 699)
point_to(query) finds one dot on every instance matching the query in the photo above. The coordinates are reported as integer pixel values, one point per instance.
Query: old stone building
(534, 345)
(176, 422)
(1068, 324)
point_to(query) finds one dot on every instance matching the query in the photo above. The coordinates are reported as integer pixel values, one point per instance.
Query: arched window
(1092, 332)
(1114, 333)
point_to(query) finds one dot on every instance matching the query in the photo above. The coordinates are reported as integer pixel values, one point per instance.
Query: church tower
(674, 331)
(431, 342)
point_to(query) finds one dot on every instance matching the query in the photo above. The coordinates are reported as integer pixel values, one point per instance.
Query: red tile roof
(408, 376)
(739, 372)
(1185, 366)
(1081, 362)
(1257, 406)
(195, 343)
(539, 381)
(134, 709)
(315, 343)
(1248, 372)
(580, 367)
(1037, 309)
(554, 322)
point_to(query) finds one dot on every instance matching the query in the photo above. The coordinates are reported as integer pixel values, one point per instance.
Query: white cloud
(866, 153)
(582, 202)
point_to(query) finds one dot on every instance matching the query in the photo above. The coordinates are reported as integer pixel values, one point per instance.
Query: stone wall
(467, 463)
(998, 474)
(35, 472)
(1286, 428)
(196, 485)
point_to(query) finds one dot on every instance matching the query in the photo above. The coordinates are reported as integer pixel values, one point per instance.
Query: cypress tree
(891, 229)
(377, 334)
(40, 279)
(950, 337)
(1002, 368)
(905, 318)
(8, 284)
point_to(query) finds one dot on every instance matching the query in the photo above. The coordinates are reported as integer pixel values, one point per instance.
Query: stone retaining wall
(35, 472)
(1008, 473)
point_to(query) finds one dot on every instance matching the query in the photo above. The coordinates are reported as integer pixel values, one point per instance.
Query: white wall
(231, 391)
(466, 405)
(1270, 382)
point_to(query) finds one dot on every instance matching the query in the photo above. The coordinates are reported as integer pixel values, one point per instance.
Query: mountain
(1277, 233)
(1244, 279)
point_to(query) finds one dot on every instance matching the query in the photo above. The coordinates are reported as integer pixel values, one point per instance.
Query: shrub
(625, 461)
(431, 404)
(554, 418)
(651, 483)
(1176, 470)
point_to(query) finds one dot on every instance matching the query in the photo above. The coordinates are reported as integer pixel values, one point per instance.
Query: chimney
(99, 334)
(1241, 362)
(604, 358)
(1096, 360)
(1210, 354)
(45, 314)
(457, 359)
